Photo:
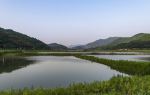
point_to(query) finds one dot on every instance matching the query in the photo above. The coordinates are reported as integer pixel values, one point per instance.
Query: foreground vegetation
(116, 86)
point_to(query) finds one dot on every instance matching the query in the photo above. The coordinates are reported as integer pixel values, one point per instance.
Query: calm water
(126, 57)
(48, 71)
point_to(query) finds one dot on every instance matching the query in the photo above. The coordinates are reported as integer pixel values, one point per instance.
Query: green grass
(46, 54)
(128, 67)
(10, 52)
(116, 86)
(39, 52)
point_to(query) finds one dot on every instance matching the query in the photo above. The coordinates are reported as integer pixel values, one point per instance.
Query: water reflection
(125, 57)
(9, 64)
(145, 58)
(50, 71)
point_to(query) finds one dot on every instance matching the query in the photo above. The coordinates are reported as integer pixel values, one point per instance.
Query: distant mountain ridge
(97, 43)
(140, 37)
(10, 39)
(141, 40)
(55, 46)
(100, 42)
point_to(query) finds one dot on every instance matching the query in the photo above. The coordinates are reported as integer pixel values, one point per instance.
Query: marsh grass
(10, 52)
(128, 67)
(116, 86)
(46, 54)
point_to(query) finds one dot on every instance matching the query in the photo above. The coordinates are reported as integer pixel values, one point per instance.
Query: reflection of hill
(9, 64)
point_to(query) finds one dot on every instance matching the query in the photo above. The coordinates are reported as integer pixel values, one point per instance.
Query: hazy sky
(75, 21)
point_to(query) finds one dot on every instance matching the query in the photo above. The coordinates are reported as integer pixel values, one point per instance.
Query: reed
(116, 86)
(128, 67)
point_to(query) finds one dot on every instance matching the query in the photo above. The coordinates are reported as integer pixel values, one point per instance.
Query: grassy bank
(116, 86)
(128, 67)
(45, 54)
(10, 52)
(33, 53)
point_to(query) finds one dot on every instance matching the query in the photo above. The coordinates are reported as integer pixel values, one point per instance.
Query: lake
(126, 57)
(50, 71)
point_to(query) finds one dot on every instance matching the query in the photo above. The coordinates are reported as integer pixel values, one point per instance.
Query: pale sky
(71, 22)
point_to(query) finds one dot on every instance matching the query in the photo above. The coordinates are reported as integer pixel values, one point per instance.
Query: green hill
(133, 45)
(138, 41)
(10, 39)
(97, 43)
(139, 37)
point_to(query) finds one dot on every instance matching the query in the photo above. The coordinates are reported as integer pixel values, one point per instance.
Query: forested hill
(141, 41)
(10, 39)
(138, 41)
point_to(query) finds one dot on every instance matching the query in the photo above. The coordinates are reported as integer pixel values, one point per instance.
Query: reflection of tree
(9, 64)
